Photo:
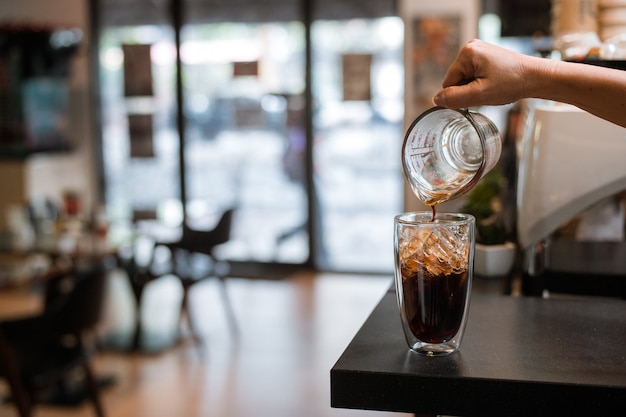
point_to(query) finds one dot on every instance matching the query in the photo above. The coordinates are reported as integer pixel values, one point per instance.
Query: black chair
(193, 260)
(137, 261)
(41, 355)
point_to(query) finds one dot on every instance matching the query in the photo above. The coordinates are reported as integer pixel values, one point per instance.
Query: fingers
(463, 69)
(456, 75)
(455, 93)
(460, 72)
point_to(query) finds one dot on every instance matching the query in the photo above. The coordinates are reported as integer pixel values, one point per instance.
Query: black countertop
(521, 356)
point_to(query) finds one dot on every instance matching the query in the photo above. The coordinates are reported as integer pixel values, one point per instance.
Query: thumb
(455, 97)
(439, 99)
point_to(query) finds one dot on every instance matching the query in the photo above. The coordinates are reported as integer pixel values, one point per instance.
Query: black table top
(520, 357)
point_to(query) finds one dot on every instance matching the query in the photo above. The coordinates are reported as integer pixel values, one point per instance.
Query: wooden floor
(291, 331)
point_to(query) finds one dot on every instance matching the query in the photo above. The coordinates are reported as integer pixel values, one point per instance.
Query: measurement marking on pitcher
(422, 153)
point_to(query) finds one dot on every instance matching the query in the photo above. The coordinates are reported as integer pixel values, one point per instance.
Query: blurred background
(293, 113)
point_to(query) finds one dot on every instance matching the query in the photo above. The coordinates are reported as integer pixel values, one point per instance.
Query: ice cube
(437, 250)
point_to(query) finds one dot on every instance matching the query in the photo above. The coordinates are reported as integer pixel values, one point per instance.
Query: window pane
(140, 168)
(245, 145)
(358, 178)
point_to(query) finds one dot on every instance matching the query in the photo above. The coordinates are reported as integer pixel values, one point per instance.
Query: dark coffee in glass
(434, 305)
(433, 276)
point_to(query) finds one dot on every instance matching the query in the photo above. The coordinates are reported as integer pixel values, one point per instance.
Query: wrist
(540, 77)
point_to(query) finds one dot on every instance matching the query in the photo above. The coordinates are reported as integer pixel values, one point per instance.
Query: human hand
(484, 74)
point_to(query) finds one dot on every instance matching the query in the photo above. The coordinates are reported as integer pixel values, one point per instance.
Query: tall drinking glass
(433, 277)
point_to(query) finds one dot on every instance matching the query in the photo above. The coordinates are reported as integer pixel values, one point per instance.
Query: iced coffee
(433, 273)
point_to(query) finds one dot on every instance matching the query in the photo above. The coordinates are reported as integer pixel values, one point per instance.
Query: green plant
(485, 203)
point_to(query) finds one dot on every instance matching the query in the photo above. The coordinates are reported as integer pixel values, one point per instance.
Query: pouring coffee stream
(434, 209)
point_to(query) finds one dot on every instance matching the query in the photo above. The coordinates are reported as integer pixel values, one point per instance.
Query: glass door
(358, 83)
(245, 139)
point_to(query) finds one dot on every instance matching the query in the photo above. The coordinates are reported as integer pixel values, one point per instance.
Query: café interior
(201, 194)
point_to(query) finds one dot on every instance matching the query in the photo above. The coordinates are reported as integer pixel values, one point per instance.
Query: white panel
(570, 160)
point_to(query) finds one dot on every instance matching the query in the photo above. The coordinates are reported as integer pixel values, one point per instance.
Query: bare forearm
(600, 91)
(485, 74)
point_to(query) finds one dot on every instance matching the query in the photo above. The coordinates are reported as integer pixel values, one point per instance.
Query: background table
(520, 357)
